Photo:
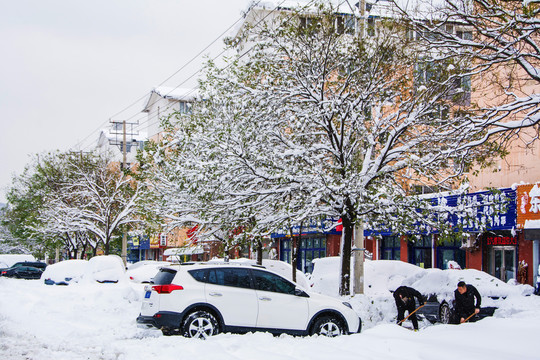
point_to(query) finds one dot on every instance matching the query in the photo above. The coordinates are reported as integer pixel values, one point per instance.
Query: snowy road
(98, 322)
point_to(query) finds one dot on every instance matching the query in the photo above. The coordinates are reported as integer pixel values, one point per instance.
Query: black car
(35, 264)
(22, 272)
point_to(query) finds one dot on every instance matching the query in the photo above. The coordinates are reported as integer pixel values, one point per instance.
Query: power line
(221, 53)
(80, 143)
(187, 94)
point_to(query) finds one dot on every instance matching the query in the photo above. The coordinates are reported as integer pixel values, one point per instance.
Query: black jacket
(408, 293)
(465, 305)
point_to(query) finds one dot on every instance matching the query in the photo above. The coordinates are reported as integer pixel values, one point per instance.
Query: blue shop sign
(486, 210)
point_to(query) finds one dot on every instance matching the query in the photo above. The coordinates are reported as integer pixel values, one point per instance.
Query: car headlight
(347, 305)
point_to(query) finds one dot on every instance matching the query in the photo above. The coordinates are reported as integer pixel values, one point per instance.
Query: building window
(390, 248)
(450, 250)
(184, 107)
(465, 35)
(371, 26)
(163, 240)
(420, 250)
(285, 251)
(345, 24)
(309, 248)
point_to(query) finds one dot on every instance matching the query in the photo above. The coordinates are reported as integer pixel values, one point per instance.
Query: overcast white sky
(67, 66)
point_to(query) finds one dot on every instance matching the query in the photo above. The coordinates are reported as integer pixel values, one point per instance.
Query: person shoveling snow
(404, 297)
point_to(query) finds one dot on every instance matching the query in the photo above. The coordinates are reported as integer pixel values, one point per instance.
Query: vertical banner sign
(528, 206)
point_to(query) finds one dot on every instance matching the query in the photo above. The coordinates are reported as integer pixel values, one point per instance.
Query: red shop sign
(501, 240)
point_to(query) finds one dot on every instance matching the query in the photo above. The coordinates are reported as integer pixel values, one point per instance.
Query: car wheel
(444, 313)
(328, 326)
(200, 324)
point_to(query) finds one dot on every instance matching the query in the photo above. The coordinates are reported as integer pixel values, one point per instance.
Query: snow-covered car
(200, 300)
(143, 272)
(64, 272)
(105, 269)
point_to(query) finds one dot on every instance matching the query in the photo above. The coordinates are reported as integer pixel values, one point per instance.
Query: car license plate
(147, 295)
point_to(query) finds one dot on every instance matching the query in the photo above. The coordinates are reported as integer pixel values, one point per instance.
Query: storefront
(137, 246)
(487, 217)
(313, 243)
(310, 247)
(501, 254)
(528, 222)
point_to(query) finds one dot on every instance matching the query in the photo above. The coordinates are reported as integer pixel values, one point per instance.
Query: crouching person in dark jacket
(465, 306)
(404, 297)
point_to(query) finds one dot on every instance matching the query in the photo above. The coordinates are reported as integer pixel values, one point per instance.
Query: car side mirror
(300, 292)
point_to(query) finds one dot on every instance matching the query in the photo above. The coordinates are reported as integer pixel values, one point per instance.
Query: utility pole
(124, 165)
(358, 258)
(123, 148)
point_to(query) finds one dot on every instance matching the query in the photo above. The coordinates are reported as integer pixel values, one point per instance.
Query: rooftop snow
(175, 93)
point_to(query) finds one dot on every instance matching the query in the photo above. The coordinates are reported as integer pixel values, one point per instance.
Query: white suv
(200, 300)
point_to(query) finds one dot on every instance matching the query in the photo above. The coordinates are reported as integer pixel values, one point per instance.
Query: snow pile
(8, 260)
(64, 272)
(381, 275)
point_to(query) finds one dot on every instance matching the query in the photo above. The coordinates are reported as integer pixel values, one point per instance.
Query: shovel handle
(418, 308)
(470, 316)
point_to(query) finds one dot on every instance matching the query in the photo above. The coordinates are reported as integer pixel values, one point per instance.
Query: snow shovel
(418, 308)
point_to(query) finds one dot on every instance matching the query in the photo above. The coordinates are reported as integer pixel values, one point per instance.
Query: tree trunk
(293, 254)
(259, 249)
(106, 248)
(346, 245)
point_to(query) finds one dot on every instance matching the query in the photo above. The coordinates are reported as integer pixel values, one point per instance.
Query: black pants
(413, 318)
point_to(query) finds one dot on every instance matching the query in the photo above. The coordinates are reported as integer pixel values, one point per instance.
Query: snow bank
(8, 260)
(381, 275)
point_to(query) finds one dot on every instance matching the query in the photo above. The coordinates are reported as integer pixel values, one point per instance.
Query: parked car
(105, 269)
(36, 264)
(22, 272)
(200, 300)
(64, 272)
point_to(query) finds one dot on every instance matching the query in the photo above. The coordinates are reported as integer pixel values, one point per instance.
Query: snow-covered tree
(500, 40)
(98, 201)
(74, 200)
(315, 122)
